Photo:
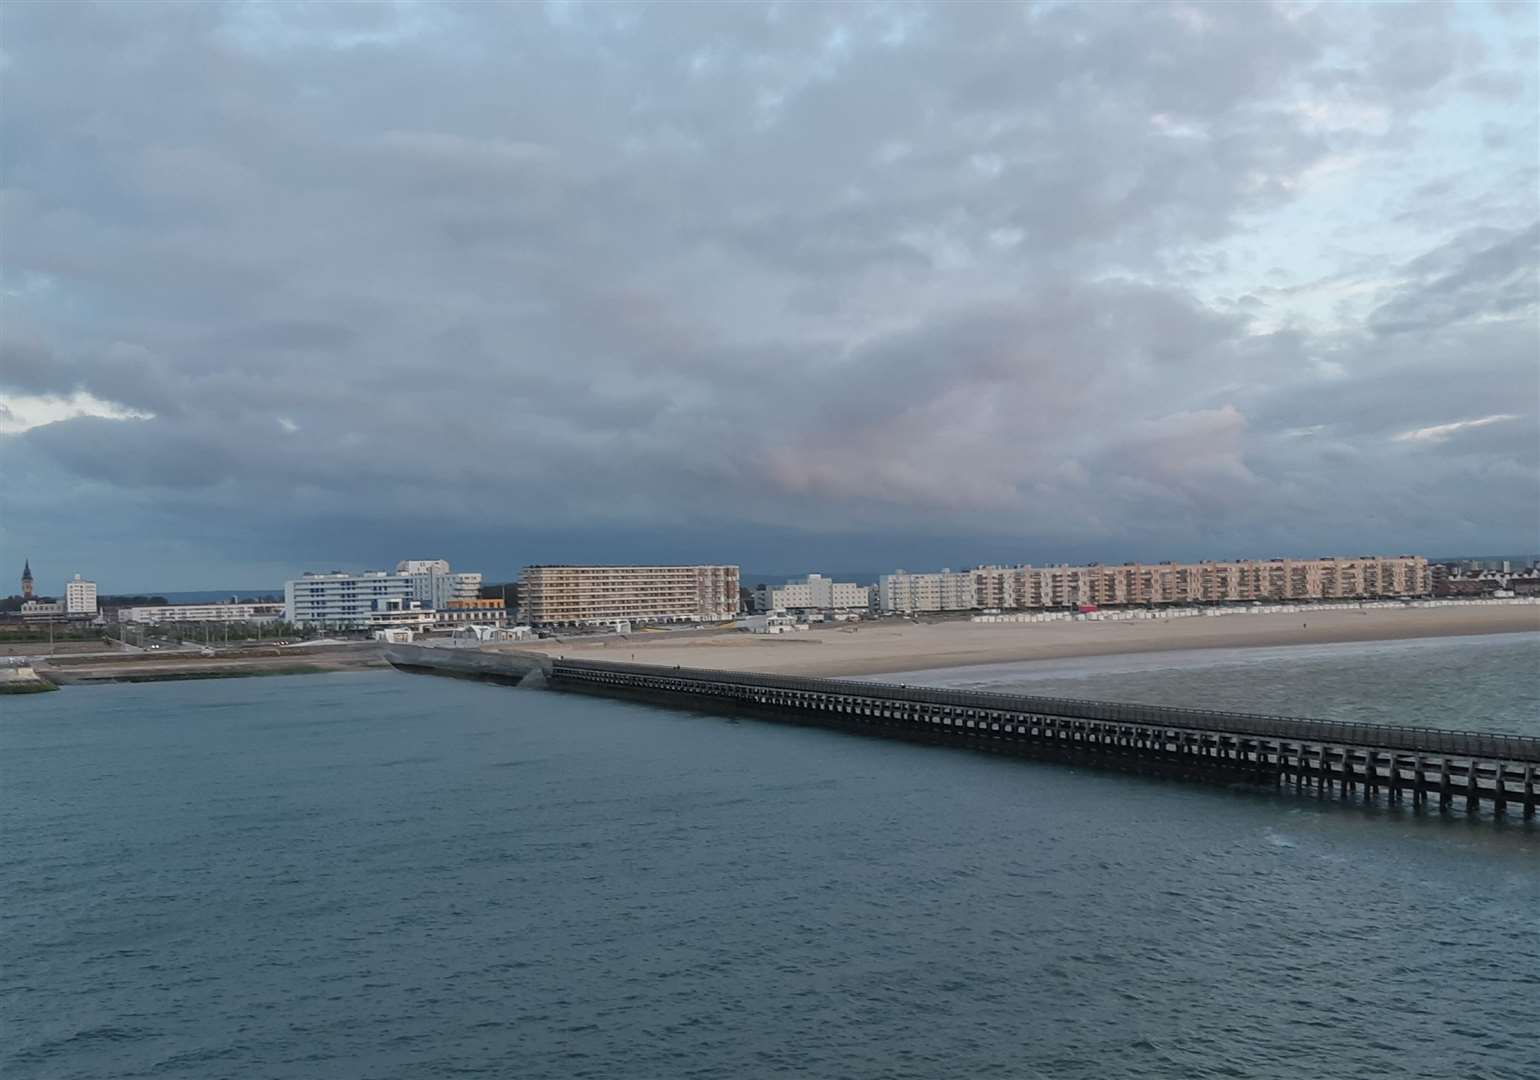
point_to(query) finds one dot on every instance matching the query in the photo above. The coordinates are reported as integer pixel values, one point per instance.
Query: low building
(42, 609)
(478, 633)
(200, 613)
(401, 614)
(1457, 580)
(464, 612)
(599, 595)
(769, 622)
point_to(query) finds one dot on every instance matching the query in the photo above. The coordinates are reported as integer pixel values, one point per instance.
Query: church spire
(26, 580)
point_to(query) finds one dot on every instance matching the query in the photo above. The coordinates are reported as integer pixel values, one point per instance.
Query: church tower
(26, 580)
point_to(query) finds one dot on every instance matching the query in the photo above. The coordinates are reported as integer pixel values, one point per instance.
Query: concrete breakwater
(1399, 764)
(507, 668)
(23, 679)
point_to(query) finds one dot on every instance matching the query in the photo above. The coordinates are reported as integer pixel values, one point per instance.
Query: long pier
(1469, 770)
(1399, 764)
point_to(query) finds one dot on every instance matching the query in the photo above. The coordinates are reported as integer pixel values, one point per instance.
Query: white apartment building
(812, 592)
(344, 601)
(434, 586)
(42, 609)
(175, 613)
(79, 597)
(947, 591)
(349, 601)
(597, 595)
(1026, 587)
(423, 566)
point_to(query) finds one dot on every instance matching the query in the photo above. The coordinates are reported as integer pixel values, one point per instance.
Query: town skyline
(751, 575)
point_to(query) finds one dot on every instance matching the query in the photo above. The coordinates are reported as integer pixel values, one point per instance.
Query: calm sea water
(383, 875)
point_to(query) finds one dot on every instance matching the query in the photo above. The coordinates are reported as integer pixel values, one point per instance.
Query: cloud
(536, 279)
(1438, 433)
(23, 412)
(1481, 274)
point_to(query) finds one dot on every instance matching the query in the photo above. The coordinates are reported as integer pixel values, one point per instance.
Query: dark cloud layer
(792, 285)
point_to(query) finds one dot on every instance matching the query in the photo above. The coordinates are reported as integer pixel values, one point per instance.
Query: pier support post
(1472, 796)
(1445, 795)
(1500, 793)
(1419, 784)
(1529, 791)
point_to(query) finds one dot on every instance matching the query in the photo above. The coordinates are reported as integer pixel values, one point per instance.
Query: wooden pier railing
(1378, 760)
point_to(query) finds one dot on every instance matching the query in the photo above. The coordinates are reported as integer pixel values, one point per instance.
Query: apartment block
(435, 586)
(1026, 587)
(946, 591)
(344, 601)
(352, 601)
(814, 592)
(594, 595)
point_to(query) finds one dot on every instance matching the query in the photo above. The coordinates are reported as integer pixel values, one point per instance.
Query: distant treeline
(13, 603)
(43, 632)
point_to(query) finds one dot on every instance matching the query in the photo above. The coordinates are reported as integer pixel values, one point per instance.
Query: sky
(297, 286)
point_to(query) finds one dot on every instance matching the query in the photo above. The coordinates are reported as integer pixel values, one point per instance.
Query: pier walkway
(1422, 765)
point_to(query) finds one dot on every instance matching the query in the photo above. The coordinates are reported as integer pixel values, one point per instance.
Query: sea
(380, 875)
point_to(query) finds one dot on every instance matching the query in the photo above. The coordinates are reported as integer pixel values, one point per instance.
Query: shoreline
(183, 667)
(879, 647)
(889, 647)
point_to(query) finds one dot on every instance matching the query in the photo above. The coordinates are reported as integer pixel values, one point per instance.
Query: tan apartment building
(1369, 577)
(595, 595)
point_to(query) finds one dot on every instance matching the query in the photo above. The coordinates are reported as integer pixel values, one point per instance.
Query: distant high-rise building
(26, 580)
(79, 597)
(595, 595)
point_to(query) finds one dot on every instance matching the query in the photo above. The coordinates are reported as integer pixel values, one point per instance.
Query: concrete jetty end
(510, 668)
(22, 678)
(1379, 762)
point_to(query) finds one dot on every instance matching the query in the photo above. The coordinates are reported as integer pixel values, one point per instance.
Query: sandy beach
(891, 645)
